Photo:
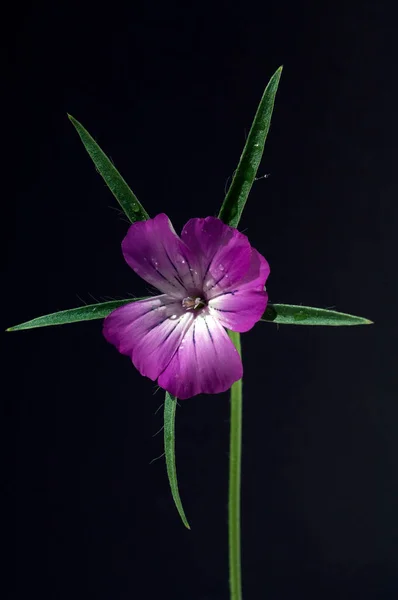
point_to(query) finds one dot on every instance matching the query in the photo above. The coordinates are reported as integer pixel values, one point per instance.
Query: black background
(169, 91)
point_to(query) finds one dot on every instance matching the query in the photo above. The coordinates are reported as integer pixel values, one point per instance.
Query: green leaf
(235, 200)
(170, 404)
(290, 314)
(285, 314)
(119, 188)
(74, 315)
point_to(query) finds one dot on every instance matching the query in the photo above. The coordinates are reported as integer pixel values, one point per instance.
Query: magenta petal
(224, 253)
(156, 253)
(257, 273)
(149, 331)
(206, 361)
(240, 309)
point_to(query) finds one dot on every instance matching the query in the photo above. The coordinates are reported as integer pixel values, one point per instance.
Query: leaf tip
(276, 77)
(369, 322)
(10, 329)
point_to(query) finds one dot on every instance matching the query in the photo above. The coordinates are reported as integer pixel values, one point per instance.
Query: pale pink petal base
(206, 361)
(148, 331)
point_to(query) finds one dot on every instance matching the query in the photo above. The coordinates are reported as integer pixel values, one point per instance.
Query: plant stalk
(235, 454)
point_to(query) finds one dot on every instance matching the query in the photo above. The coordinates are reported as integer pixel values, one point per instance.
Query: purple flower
(210, 279)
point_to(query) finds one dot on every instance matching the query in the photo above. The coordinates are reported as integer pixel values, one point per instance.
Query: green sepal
(88, 312)
(170, 404)
(242, 181)
(115, 182)
(284, 314)
(291, 314)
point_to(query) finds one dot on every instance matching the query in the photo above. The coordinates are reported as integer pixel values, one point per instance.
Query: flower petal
(149, 331)
(240, 309)
(156, 253)
(223, 253)
(206, 361)
(257, 273)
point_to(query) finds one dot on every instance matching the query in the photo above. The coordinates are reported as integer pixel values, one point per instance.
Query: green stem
(235, 452)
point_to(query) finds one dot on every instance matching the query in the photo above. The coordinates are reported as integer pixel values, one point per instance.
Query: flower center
(190, 303)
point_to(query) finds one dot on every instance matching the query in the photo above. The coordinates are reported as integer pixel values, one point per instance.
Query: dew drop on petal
(154, 262)
(180, 259)
(221, 267)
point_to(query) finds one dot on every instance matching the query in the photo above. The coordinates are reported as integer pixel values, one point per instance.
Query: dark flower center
(191, 303)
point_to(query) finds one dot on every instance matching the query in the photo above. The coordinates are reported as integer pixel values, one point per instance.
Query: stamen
(199, 303)
(190, 303)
